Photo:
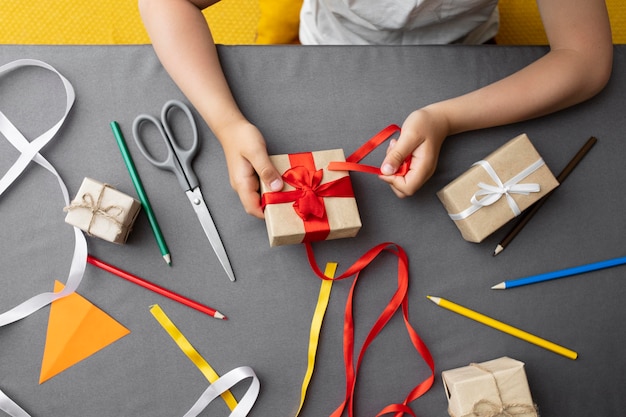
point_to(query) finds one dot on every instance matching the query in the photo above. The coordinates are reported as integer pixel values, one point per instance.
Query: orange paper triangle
(76, 329)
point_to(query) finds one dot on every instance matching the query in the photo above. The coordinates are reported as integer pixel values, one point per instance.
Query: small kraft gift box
(100, 210)
(315, 203)
(494, 388)
(497, 189)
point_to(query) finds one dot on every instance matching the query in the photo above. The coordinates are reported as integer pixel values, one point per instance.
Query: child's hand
(246, 156)
(422, 134)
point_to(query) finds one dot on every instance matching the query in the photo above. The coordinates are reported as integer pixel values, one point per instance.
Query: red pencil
(156, 288)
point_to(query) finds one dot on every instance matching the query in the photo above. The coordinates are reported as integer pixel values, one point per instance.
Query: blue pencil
(562, 273)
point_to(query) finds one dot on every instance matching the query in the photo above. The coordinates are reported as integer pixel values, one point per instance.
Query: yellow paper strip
(316, 326)
(191, 352)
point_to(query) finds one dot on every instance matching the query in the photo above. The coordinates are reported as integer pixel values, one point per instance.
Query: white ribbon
(226, 382)
(9, 407)
(30, 152)
(493, 193)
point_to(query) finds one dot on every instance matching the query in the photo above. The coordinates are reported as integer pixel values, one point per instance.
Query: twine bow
(493, 193)
(486, 408)
(87, 202)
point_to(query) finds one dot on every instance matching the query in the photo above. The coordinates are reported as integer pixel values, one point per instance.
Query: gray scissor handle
(178, 159)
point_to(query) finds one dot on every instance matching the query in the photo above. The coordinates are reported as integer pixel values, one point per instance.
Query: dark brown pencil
(525, 218)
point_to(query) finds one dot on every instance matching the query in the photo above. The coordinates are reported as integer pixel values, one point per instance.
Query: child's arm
(183, 42)
(577, 67)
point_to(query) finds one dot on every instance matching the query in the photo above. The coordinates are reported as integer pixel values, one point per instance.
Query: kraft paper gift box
(100, 210)
(497, 189)
(493, 388)
(315, 203)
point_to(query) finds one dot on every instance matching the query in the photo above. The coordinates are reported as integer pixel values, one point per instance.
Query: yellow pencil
(503, 327)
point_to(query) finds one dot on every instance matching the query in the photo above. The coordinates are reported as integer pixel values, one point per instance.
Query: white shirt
(397, 22)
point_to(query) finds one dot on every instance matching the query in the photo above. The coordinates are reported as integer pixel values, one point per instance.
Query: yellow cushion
(71, 22)
(233, 21)
(520, 22)
(111, 22)
(279, 21)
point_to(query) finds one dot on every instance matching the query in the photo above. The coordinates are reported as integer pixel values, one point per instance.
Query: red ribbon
(399, 299)
(352, 161)
(309, 193)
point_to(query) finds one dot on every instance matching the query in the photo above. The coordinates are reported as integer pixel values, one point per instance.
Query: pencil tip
(498, 249)
(168, 259)
(500, 286)
(220, 316)
(433, 299)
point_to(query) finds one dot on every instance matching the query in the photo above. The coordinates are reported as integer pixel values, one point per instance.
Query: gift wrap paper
(101, 210)
(285, 227)
(497, 387)
(507, 161)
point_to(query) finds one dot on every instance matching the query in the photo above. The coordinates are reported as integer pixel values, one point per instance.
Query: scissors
(178, 161)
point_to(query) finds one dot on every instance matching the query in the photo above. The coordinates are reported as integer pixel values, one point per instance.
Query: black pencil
(525, 218)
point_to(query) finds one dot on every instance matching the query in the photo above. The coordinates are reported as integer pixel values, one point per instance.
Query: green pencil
(143, 197)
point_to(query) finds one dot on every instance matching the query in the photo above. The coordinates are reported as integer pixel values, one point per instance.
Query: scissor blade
(202, 211)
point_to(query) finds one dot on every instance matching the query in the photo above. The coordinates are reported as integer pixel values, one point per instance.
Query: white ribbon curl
(30, 152)
(493, 193)
(223, 384)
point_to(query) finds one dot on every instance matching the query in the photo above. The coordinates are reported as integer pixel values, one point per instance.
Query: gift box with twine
(102, 211)
(495, 388)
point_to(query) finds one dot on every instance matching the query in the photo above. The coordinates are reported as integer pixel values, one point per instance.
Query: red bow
(309, 192)
(308, 203)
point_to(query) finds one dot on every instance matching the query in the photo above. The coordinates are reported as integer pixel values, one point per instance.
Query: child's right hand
(248, 161)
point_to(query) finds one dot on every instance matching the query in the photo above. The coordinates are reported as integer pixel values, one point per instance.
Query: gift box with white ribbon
(497, 189)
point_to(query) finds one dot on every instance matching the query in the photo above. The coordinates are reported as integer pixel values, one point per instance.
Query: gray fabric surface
(304, 99)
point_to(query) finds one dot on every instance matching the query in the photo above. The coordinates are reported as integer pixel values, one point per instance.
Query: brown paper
(507, 161)
(285, 227)
(497, 385)
(102, 211)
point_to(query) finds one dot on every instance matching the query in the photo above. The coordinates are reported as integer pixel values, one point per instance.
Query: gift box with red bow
(315, 203)
(497, 189)
(495, 388)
